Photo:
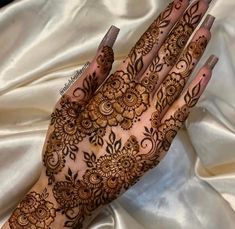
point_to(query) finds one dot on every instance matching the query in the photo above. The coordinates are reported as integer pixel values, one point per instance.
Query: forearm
(39, 209)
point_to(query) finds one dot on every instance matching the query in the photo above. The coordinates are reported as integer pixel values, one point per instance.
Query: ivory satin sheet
(43, 42)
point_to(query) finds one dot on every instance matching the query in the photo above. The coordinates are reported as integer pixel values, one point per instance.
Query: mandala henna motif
(34, 211)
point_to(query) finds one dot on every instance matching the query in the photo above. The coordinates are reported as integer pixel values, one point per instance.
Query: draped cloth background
(43, 42)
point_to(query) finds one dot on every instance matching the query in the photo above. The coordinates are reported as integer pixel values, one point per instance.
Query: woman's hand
(100, 142)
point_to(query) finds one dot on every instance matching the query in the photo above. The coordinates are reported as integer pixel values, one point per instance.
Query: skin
(92, 151)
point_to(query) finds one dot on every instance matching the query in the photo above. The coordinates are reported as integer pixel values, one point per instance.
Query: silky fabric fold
(44, 42)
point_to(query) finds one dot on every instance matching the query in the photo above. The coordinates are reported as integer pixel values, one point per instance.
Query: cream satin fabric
(44, 41)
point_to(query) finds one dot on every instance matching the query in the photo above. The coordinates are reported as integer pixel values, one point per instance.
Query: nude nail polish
(110, 37)
(208, 22)
(212, 61)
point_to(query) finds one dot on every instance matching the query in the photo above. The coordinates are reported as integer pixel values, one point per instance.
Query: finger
(179, 111)
(86, 85)
(168, 54)
(173, 46)
(173, 84)
(149, 43)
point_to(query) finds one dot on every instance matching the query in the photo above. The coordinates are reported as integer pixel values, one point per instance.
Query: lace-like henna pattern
(174, 83)
(120, 101)
(34, 211)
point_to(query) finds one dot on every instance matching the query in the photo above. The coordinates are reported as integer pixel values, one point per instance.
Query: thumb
(86, 85)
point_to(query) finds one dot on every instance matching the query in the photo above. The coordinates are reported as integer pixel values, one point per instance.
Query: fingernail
(208, 22)
(212, 61)
(110, 37)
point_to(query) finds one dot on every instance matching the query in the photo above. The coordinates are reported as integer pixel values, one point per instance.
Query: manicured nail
(212, 61)
(208, 22)
(208, 1)
(110, 37)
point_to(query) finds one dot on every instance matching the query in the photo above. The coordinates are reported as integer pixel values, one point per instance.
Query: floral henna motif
(132, 104)
(33, 212)
(120, 101)
(102, 182)
(197, 47)
(105, 59)
(121, 166)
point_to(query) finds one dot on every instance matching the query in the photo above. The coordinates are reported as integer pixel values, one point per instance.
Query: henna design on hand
(110, 162)
(102, 182)
(174, 83)
(105, 59)
(170, 127)
(150, 37)
(174, 44)
(34, 211)
(121, 166)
